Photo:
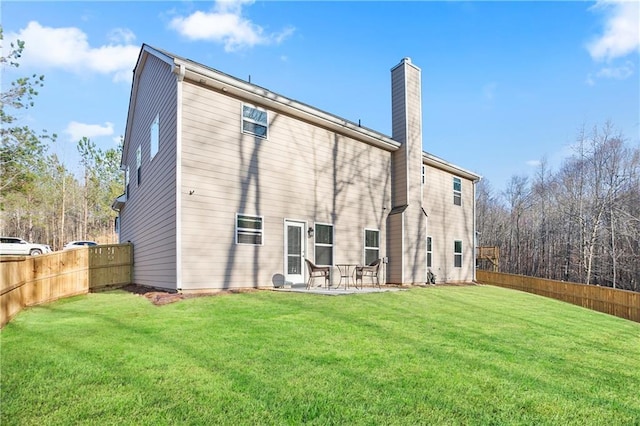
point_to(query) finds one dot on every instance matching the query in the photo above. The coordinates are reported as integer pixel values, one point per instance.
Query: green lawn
(439, 355)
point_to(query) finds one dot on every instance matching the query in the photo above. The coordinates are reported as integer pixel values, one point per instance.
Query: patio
(338, 291)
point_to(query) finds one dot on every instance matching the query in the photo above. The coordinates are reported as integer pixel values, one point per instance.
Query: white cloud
(620, 38)
(618, 73)
(68, 49)
(77, 131)
(121, 35)
(226, 25)
(534, 163)
(621, 34)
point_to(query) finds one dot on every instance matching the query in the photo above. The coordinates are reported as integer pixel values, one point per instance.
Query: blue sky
(504, 84)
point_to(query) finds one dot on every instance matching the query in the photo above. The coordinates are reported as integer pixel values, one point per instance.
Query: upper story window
(254, 121)
(457, 191)
(371, 245)
(155, 136)
(138, 162)
(324, 244)
(249, 229)
(424, 173)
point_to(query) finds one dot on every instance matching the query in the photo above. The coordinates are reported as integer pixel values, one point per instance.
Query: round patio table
(346, 271)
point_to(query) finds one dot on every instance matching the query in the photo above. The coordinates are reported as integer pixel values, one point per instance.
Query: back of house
(230, 185)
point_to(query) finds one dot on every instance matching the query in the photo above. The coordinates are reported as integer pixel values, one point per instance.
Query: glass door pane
(294, 250)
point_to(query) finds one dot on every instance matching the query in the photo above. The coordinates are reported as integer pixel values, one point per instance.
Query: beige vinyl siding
(302, 172)
(407, 173)
(414, 137)
(395, 249)
(148, 218)
(447, 223)
(399, 133)
(400, 183)
(398, 107)
(415, 246)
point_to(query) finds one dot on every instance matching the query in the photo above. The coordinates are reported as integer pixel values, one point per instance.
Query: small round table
(346, 272)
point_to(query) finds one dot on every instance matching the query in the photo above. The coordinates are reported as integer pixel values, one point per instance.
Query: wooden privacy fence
(621, 303)
(32, 280)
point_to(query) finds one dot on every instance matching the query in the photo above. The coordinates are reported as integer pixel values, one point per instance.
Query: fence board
(621, 303)
(33, 280)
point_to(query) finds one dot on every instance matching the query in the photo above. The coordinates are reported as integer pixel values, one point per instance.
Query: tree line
(580, 223)
(41, 199)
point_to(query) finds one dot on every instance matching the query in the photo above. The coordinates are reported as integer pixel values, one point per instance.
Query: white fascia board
(432, 160)
(118, 203)
(158, 54)
(227, 84)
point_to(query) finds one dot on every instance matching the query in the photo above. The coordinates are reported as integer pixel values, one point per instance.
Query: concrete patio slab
(339, 291)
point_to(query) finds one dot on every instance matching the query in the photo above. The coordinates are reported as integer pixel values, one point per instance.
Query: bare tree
(581, 223)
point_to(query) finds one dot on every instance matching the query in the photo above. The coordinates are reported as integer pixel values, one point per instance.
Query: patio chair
(316, 272)
(371, 270)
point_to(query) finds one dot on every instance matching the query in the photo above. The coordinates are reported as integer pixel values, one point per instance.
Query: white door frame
(294, 279)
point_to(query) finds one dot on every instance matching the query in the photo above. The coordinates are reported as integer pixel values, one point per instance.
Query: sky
(504, 84)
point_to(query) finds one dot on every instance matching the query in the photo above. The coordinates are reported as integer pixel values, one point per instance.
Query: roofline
(145, 50)
(439, 163)
(219, 81)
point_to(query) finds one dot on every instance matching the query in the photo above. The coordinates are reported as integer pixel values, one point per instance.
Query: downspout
(180, 71)
(475, 233)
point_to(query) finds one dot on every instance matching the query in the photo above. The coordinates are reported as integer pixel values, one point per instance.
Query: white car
(19, 247)
(79, 244)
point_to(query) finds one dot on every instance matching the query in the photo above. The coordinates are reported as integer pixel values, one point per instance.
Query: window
(424, 172)
(324, 244)
(249, 229)
(126, 182)
(254, 121)
(371, 245)
(155, 136)
(429, 252)
(457, 254)
(138, 162)
(457, 191)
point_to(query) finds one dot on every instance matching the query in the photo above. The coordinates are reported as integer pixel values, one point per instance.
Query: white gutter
(475, 234)
(180, 71)
(441, 164)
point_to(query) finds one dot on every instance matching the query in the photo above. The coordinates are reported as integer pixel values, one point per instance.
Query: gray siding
(302, 172)
(148, 218)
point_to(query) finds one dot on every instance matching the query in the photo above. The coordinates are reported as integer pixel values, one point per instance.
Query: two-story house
(230, 185)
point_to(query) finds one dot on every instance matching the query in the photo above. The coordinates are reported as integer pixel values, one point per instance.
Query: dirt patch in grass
(159, 297)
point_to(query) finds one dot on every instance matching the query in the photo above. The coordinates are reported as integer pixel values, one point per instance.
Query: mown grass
(444, 355)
